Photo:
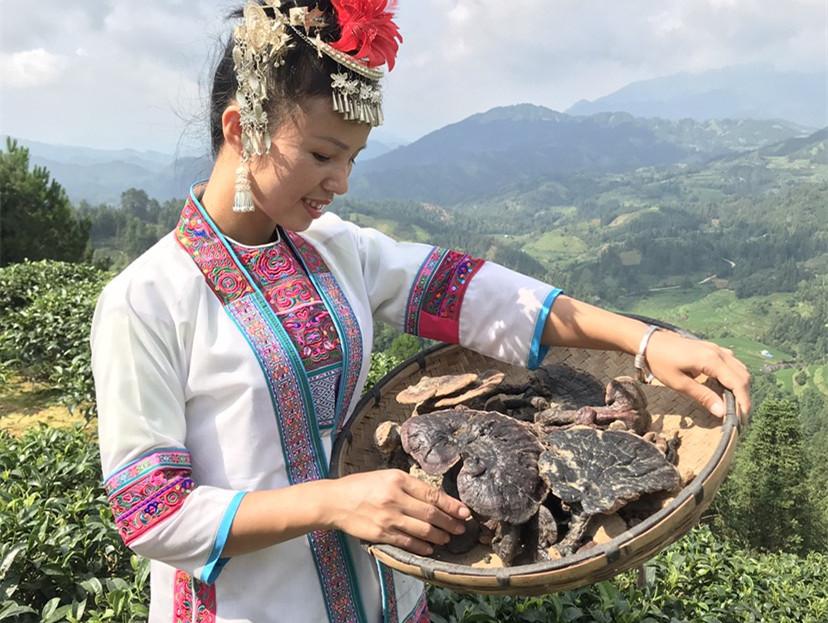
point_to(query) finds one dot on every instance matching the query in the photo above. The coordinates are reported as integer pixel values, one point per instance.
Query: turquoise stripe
(260, 302)
(141, 458)
(215, 563)
(537, 352)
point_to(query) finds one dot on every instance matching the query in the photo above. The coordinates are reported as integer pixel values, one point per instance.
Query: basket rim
(611, 550)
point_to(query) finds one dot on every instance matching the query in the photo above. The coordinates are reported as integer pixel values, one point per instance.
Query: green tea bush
(61, 558)
(46, 312)
(699, 579)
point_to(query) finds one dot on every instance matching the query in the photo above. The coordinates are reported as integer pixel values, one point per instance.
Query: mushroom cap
(625, 390)
(486, 384)
(603, 470)
(499, 476)
(430, 439)
(434, 387)
(568, 387)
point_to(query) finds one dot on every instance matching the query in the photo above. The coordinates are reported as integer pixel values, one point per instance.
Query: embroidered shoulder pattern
(436, 296)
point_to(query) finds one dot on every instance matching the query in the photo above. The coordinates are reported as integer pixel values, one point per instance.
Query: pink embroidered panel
(149, 490)
(436, 296)
(193, 601)
(295, 301)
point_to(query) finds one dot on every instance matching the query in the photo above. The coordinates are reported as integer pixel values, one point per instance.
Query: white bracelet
(640, 363)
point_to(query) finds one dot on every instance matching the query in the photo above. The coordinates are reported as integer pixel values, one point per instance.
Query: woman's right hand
(390, 506)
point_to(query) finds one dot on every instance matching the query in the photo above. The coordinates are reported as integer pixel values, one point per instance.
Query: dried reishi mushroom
(387, 437)
(485, 385)
(435, 387)
(507, 542)
(566, 386)
(603, 470)
(462, 543)
(626, 404)
(538, 490)
(540, 533)
(430, 440)
(499, 475)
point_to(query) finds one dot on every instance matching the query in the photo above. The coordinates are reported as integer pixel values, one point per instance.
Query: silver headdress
(261, 43)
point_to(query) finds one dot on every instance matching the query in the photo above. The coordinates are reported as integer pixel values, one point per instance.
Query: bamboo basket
(707, 448)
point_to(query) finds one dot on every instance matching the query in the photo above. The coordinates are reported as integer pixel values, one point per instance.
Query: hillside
(510, 147)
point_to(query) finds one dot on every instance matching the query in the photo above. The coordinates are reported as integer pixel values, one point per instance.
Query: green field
(817, 377)
(719, 316)
(554, 246)
(398, 231)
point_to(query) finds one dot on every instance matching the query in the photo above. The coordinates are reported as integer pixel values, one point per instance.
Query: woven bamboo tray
(706, 450)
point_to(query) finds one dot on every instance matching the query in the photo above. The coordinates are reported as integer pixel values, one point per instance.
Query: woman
(228, 356)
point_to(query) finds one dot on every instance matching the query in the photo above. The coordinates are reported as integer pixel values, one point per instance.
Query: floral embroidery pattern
(193, 601)
(213, 259)
(147, 491)
(351, 332)
(305, 459)
(433, 309)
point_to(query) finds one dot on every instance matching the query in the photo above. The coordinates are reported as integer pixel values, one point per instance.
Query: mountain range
(509, 147)
(644, 124)
(740, 92)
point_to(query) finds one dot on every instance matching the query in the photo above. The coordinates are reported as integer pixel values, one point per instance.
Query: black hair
(303, 75)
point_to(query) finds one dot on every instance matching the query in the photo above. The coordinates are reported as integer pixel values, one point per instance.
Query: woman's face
(310, 159)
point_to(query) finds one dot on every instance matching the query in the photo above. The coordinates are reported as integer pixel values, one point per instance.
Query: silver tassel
(243, 201)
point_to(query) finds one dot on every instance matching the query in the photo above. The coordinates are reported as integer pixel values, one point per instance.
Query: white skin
(311, 158)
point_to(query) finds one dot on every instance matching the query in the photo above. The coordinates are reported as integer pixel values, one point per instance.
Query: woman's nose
(337, 183)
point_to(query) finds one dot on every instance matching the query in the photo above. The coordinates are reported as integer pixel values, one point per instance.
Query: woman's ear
(231, 128)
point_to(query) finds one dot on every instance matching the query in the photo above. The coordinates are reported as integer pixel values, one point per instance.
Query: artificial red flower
(368, 32)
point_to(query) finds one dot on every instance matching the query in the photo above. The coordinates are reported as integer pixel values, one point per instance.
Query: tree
(36, 218)
(768, 501)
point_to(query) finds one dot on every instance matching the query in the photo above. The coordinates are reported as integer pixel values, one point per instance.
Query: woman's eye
(319, 157)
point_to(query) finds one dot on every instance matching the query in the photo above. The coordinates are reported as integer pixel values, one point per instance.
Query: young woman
(229, 356)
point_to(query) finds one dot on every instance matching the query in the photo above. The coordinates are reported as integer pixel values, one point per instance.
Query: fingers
(736, 377)
(702, 394)
(408, 542)
(432, 516)
(435, 497)
(716, 364)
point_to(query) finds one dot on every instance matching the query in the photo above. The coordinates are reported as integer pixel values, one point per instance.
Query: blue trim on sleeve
(210, 572)
(537, 351)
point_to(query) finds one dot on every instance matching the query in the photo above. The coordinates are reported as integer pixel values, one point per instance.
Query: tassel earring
(244, 196)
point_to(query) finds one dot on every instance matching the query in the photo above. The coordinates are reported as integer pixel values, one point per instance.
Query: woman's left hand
(677, 362)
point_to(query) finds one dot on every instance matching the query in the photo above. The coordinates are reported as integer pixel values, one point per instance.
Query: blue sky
(121, 73)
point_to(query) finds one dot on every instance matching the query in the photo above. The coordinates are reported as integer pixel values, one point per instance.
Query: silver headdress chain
(261, 43)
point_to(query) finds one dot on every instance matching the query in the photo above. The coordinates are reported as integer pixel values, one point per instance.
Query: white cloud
(126, 74)
(30, 68)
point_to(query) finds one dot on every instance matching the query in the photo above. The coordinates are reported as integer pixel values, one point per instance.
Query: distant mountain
(101, 175)
(493, 152)
(742, 92)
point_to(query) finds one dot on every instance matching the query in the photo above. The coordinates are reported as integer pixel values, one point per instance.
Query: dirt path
(24, 404)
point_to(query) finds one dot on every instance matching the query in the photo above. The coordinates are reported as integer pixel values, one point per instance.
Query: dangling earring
(244, 196)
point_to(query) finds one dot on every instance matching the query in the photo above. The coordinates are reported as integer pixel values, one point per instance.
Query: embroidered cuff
(148, 490)
(537, 351)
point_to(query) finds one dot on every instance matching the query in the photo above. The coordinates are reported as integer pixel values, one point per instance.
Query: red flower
(368, 32)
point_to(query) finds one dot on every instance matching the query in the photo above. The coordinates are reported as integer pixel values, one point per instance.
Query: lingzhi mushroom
(536, 463)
